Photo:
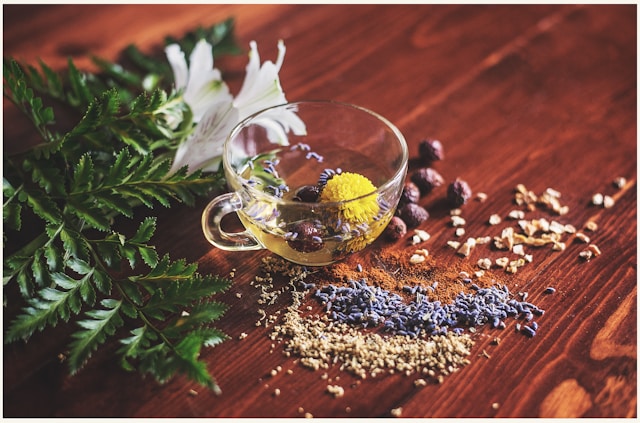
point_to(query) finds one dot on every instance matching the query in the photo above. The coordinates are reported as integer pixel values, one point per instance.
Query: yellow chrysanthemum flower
(347, 186)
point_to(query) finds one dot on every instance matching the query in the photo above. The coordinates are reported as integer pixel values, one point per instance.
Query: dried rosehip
(396, 229)
(430, 151)
(305, 237)
(410, 193)
(426, 179)
(458, 193)
(413, 214)
(307, 194)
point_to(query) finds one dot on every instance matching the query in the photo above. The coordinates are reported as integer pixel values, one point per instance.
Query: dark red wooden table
(540, 95)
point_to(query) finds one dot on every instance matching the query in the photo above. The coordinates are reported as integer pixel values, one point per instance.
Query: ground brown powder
(390, 269)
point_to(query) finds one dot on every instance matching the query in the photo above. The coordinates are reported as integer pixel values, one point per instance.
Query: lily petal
(261, 87)
(203, 148)
(178, 63)
(205, 85)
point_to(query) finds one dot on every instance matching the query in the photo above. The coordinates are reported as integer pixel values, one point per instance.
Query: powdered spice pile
(391, 269)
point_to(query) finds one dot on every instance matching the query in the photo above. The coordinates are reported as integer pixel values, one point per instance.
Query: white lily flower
(203, 149)
(200, 82)
(261, 89)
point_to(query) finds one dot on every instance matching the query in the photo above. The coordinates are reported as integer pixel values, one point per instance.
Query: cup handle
(212, 216)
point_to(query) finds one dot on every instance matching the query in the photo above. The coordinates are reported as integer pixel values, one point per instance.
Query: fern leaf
(200, 315)
(111, 200)
(74, 243)
(132, 346)
(145, 230)
(88, 212)
(163, 362)
(11, 216)
(167, 269)
(101, 324)
(45, 309)
(174, 295)
(43, 206)
(132, 292)
(81, 95)
(83, 174)
(39, 269)
(117, 72)
(48, 177)
(118, 171)
(149, 255)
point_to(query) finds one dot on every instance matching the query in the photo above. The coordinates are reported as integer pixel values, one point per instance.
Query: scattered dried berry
(413, 214)
(396, 229)
(410, 193)
(430, 151)
(305, 237)
(458, 193)
(427, 179)
(307, 194)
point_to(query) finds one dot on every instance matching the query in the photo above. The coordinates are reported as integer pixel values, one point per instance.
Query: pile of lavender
(368, 306)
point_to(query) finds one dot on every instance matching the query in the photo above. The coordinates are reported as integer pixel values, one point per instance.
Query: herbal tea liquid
(297, 231)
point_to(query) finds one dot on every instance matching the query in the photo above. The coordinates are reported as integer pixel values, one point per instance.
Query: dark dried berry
(413, 214)
(307, 194)
(396, 229)
(430, 151)
(410, 193)
(458, 193)
(306, 237)
(426, 179)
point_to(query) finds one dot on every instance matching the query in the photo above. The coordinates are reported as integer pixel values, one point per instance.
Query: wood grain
(543, 95)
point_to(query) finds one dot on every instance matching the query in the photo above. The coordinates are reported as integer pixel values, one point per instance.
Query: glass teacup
(312, 194)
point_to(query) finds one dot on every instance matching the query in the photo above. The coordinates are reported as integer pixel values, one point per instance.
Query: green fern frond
(75, 184)
(100, 324)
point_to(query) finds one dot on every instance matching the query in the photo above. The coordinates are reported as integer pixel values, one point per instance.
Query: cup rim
(257, 193)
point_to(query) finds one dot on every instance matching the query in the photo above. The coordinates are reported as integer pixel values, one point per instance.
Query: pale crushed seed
(494, 219)
(457, 221)
(484, 263)
(417, 258)
(419, 382)
(620, 182)
(591, 226)
(597, 199)
(336, 390)
(422, 235)
(453, 244)
(608, 202)
(582, 237)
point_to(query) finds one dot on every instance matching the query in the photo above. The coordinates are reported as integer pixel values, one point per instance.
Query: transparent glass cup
(279, 181)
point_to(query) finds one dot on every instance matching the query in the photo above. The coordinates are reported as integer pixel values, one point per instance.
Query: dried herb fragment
(413, 214)
(307, 194)
(410, 193)
(396, 229)
(458, 193)
(427, 179)
(306, 237)
(430, 151)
